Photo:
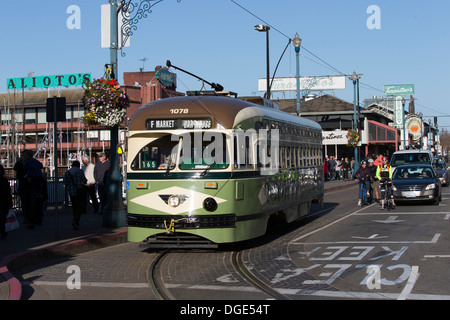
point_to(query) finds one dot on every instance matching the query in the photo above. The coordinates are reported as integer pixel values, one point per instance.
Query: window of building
(42, 115)
(30, 116)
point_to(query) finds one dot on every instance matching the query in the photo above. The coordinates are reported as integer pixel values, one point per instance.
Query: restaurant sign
(399, 90)
(64, 80)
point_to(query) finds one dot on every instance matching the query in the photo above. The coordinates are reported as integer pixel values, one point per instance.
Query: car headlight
(394, 188)
(431, 186)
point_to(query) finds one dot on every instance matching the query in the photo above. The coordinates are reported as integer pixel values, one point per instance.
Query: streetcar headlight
(210, 204)
(174, 201)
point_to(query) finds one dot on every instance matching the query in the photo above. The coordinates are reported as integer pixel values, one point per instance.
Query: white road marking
(410, 284)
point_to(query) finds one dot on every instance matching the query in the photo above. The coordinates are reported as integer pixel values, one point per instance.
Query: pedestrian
(346, 168)
(325, 169)
(32, 190)
(338, 169)
(101, 167)
(88, 169)
(74, 182)
(332, 167)
(5, 202)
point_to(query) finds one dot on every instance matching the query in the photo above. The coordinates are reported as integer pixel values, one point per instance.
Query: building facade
(23, 122)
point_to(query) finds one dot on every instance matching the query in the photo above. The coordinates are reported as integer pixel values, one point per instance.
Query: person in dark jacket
(100, 170)
(5, 202)
(75, 181)
(363, 175)
(31, 189)
(373, 178)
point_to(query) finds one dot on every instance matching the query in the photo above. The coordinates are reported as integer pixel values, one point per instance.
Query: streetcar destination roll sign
(171, 124)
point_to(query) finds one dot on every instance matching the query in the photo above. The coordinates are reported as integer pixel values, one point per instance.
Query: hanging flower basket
(353, 138)
(105, 103)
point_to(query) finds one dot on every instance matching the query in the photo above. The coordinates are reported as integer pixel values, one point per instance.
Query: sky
(404, 42)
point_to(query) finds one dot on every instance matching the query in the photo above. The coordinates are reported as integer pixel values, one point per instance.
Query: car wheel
(436, 201)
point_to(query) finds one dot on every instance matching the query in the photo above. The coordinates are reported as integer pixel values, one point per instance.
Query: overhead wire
(329, 66)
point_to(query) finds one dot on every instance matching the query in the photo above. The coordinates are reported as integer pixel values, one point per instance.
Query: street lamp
(297, 44)
(421, 130)
(403, 120)
(264, 28)
(355, 78)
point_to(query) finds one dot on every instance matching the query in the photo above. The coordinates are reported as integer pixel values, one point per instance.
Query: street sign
(165, 77)
(60, 105)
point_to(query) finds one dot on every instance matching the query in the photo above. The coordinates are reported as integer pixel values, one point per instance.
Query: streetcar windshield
(199, 151)
(160, 154)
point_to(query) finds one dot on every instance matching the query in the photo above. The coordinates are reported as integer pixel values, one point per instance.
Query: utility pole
(131, 13)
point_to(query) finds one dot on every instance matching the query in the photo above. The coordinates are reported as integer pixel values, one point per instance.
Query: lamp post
(131, 13)
(264, 28)
(403, 120)
(355, 78)
(297, 44)
(421, 130)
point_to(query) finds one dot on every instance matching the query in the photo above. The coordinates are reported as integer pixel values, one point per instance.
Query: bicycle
(386, 194)
(365, 195)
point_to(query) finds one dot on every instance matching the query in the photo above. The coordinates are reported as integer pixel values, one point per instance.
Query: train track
(155, 278)
(162, 293)
(248, 276)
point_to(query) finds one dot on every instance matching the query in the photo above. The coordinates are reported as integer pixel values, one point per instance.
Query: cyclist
(363, 175)
(384, 174)
(373, 180)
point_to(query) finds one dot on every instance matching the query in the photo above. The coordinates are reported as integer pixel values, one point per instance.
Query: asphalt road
(340, 252)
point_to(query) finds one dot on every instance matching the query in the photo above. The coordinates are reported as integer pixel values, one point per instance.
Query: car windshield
(410, 173)
(410, 158)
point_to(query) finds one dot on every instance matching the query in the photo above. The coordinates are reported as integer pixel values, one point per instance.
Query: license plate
(410, 195)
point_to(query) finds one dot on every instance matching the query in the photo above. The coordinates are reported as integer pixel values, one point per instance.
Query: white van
(405, 157)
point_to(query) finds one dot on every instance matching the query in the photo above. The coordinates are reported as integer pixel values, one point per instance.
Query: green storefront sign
(399, 90)
(63, 80)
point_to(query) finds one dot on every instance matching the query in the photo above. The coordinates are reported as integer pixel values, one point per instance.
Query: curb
(19, 260)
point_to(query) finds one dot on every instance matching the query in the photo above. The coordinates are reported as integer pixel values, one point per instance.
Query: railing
(61, 195)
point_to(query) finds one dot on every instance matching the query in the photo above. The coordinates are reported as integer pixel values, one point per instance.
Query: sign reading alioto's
(63, 80)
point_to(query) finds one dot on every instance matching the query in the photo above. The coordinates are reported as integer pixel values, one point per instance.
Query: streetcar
(213, 169)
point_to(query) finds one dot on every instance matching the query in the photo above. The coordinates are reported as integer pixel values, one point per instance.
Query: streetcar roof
(226, 111)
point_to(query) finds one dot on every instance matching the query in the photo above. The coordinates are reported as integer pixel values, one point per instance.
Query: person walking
(32, 189)
(75, 181)
(5, 202)
(332, 167)
(100, 170)
(345, 169)
(88, 169)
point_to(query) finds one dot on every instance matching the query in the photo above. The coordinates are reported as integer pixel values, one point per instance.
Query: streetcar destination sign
(170, 124)
(62, 80)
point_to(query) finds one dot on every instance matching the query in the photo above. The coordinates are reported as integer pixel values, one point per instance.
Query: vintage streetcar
(207, 170)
